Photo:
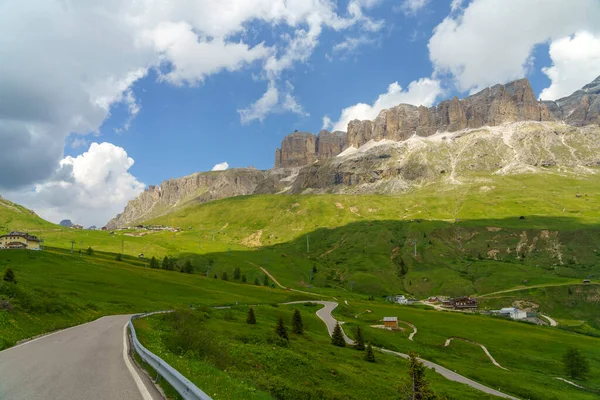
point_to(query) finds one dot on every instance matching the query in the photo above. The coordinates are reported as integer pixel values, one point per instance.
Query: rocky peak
(581, 108)
(303, 148)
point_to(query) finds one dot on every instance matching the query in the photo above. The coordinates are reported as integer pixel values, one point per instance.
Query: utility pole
(415, 248)
(72, 245)
(307, 244)
(207, 270)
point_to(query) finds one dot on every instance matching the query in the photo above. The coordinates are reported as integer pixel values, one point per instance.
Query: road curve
(325, 315)
(88, 361)
(552, 322)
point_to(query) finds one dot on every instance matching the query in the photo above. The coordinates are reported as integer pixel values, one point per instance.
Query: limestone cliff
(581, 108)
(303, 148)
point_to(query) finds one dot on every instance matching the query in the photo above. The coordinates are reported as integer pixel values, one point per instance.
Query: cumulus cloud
(273, 100)
(221, 166)
(575, 63)
(89, 189)
(327, 123)
(63, 73)
(422, 92)
(492, 41)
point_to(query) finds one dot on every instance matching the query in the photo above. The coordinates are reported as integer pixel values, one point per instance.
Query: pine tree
(256, 281)
(89, 251)
(314, 269)
(244, 279)
(9, 276)
(369, 355)
(281, 330)
(251, 318)
(266, 280)
(297, 325)
(360, 341)
(224, 276)
(165, 263)
(216, 276)
(187, 268)
(576, 365)
(119, 257)
(337, 338)
(237, 274)
(154, 262)
(416, 386)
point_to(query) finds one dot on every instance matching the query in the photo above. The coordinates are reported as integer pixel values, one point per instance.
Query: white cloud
(456, 5)
(262, 107)
(412, 7)
(351, 44)
(221, 166)
(327, 123)
(89, 189)
(492, 41)
(422, 92)
(94, 52)
(575, 63)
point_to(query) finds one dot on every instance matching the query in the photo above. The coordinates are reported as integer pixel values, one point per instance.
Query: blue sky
(166, 89)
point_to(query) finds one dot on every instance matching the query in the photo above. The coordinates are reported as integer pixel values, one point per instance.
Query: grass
(230, 359)
(531, 353)
(56, 290)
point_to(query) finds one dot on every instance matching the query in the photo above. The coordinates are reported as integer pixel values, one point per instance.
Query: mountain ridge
(477, 135)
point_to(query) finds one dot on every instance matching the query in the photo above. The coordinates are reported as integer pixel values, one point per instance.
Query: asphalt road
(325, 315)
(87, 361)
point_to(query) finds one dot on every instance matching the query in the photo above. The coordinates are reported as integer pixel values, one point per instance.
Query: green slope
(14, 217)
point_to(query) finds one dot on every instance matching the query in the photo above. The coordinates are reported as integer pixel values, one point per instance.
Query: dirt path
(283, 287)
(537, 287)
(325, 315)
(485, 350)
(552, 322)
(414, 332)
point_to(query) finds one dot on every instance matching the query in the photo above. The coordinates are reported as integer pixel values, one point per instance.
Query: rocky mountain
(500, 130)
(303, 148)
(66, 222)
(198, 187)
(581, 108)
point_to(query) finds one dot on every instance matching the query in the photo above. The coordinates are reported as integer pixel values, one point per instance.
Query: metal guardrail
(180, 383)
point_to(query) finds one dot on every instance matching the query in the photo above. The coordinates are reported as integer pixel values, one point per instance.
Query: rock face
(196, 188)
(493, 106)
(581, 108)
(66, 222)
(303, 148)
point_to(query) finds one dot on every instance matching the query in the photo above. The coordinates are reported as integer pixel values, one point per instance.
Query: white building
(400, 299)
(513, 313)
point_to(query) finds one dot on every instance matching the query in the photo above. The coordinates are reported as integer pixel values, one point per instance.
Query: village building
(460, 303)
(400, 299)
(19, 240)
(390, 323)
(512, 312)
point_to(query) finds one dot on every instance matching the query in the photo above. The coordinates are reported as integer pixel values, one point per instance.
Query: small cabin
(586, 281)
(390, 322)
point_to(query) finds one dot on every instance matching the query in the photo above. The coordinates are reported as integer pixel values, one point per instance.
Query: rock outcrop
(493, 106)
(579, 109)
(303, 148)
(196, 188)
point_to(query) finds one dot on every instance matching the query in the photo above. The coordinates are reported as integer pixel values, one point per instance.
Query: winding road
(325, 315)
(485, 350)
(89, 361)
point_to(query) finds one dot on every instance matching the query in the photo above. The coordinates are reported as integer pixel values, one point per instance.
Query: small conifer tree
(266, 280)
(281, 330)
(297, 325)
(216, 276)
(89, 251)
(237, 274)
(369, 355)
(224, 276)
(154, 262)
(9, 276)
(360, 341)
(251, 318)
(416, 386)
(337, 338)
(244, 279)
(256, 281)
(119, 257)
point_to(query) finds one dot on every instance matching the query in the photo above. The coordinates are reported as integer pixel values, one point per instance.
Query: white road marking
(134, 373)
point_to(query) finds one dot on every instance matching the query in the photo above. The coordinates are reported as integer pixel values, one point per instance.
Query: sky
(99, 100)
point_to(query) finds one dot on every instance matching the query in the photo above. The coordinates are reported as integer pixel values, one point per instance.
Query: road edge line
(134, 373)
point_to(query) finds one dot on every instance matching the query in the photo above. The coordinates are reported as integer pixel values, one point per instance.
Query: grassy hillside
(56, 289)
(233, 360)
(14, 217)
